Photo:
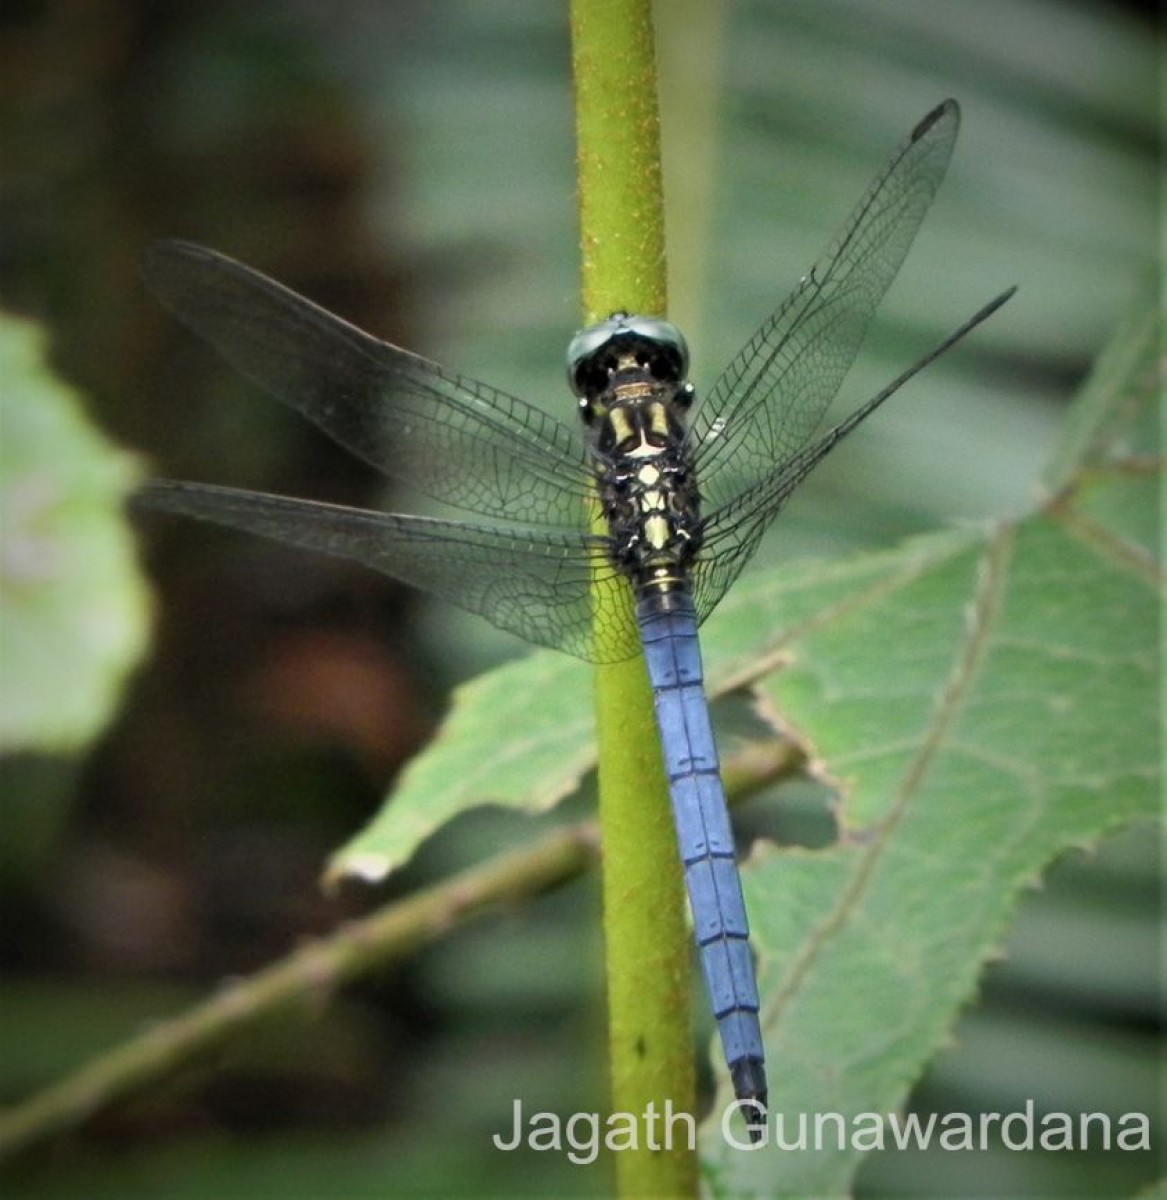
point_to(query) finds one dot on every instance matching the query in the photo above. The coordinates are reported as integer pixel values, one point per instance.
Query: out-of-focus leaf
(72, 604)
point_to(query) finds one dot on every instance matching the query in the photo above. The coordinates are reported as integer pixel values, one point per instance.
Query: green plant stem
(304, 979)
(310, 976)
(647, 955)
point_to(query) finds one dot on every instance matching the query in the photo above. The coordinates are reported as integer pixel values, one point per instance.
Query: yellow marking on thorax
(652, 506)
(621, 427)
(656, 532)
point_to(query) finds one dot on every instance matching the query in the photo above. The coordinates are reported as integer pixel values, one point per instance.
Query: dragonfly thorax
(629, 374)
(646, 486)
(652, 509)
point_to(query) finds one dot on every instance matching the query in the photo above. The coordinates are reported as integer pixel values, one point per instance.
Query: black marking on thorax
(645, 482)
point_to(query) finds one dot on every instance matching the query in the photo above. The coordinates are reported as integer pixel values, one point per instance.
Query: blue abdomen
(668, 628)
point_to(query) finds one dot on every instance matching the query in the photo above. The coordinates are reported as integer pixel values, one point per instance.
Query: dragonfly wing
(730, 534)
(772, 396)
(462, 442)
(541, 585)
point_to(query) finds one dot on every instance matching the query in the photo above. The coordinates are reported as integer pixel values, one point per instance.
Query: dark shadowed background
(409, 166)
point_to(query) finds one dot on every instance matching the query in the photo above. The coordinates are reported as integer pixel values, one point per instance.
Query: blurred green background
(409, 166)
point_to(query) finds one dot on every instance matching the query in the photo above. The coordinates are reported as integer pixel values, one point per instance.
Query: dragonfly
(684, 485)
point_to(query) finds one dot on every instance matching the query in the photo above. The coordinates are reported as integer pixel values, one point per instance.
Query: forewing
(541, 585)
(462, 442)
(731, 532)
(772, 396)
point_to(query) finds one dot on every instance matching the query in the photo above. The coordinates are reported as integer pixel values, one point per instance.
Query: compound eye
(589, 376)
(590, 356)
(684, 397)
(587, 411)
(665, 352)
(595, 352)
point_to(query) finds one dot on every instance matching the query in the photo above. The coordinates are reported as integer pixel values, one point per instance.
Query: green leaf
(73, 605)
(982, 703)
(980, 700)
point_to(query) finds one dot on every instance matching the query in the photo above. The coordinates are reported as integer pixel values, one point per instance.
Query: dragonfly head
(625, 349)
